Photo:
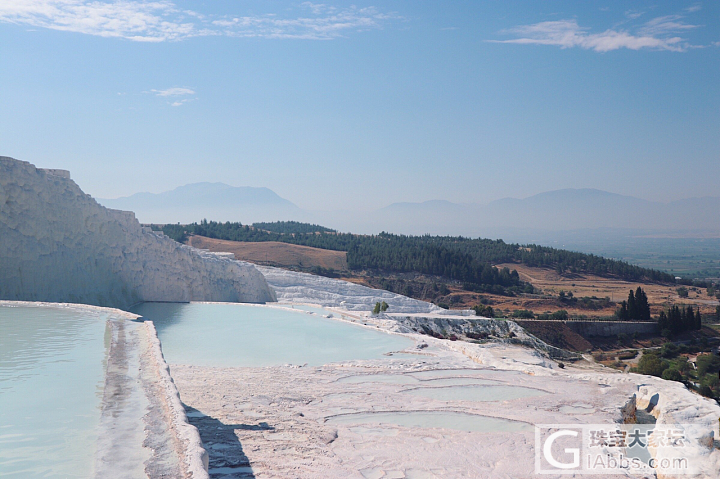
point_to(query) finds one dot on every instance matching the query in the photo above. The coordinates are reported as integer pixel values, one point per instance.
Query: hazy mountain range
(509, 218)
(213, 201)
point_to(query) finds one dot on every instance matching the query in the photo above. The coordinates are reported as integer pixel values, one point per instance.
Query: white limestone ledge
(294, 287)
(144, 429)
(190, 447)
(58, 244)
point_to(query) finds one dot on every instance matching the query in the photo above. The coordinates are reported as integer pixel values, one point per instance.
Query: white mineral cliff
(58, 244)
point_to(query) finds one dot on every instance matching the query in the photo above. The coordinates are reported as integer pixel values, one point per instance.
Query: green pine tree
(632, 306)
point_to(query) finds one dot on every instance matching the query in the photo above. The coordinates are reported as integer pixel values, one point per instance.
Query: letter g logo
(547, 450)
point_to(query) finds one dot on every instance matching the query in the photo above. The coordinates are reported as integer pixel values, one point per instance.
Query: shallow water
(407, 379)
(52, 374)
(457, 382)
(307, 308)
(475, 393)
(433, 419)
(447, 373)
(253, 336)
(379, 378)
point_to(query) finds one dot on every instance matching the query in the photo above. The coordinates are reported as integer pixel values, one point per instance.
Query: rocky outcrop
(473, 328)
(58, 244)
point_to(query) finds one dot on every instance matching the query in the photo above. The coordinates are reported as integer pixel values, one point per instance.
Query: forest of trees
(454, 257)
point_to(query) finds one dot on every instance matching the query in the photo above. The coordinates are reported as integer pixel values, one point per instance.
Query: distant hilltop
(559, 210)
(216, 201)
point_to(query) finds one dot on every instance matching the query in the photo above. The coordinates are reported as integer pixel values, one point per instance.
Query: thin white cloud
(162, 20)
(693, 8)
(321, 23)
(174, 95)
(175, 91)
(182, 102)
(666, 25)
(318, 8)
(657, 34)
(140, 21)
(633, 14)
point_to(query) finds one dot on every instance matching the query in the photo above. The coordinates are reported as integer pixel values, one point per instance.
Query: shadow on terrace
(227, 458)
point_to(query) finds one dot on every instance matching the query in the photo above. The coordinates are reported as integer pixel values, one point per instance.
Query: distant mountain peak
(205, 187)
(217, 201)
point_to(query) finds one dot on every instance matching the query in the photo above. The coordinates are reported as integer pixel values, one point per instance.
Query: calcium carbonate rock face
(292, 286)
(58, 244)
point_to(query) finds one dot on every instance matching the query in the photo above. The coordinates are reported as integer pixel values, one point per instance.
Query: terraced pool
(206, 334)
(433, 419)
(52, 373)
(475, 392)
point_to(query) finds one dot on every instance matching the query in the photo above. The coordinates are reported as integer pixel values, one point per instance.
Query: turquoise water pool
(247, 335)
(52, 374)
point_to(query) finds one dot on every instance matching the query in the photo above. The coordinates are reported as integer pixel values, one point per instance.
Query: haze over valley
(681, 236)
(553, 211)
(359, 239)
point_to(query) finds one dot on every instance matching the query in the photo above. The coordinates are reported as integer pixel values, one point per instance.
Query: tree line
(455, 257)
(291, 227)
(678, 320)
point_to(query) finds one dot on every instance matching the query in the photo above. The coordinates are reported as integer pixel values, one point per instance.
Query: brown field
(551, 283)
(272, 253)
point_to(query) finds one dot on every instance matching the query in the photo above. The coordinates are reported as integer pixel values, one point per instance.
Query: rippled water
(433, 419)
(52, 370)
(475, 393)
(245, 335)
(407, 379)
(452, 373)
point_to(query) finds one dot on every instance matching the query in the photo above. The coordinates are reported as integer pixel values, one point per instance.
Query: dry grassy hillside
(272, 253)
(585, 285)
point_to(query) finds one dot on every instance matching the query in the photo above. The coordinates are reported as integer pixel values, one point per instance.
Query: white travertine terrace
(58, 244)
(291, 286)
(286, 413)
(190, 447)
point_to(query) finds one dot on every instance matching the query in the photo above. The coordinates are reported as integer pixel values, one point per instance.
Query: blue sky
(358, 105)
